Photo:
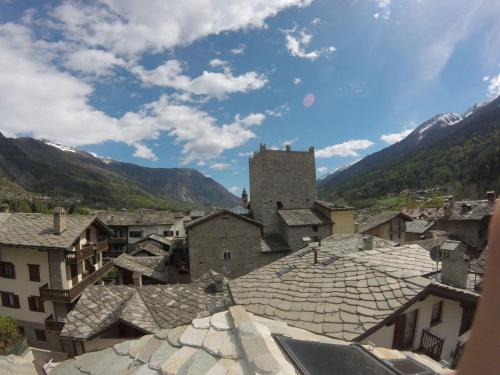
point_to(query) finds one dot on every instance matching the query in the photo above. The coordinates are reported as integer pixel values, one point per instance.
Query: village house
(341, 215)
(109, 314)
(46, 262)
(235, 341)
(130, 227)
(468, 220)
(141, 270)
(361, 288)
(419, 229)
(389, 225)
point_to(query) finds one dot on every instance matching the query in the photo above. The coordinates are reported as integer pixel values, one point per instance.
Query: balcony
(86, 252)
(431, 345)
(53, 325)
(69, 295)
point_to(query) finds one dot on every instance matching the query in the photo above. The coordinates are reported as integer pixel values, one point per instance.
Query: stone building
(340, 214)
(231, 244)
(390, 225)
(46, 261)
(468, 220)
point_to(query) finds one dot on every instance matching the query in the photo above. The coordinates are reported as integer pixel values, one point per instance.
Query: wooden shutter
(399, 332)
(34, 272)
(31, 303)
(5, 300)
(16, 300)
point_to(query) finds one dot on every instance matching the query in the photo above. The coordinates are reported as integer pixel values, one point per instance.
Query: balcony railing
(69, 295)
(53, 325)
(431, 345)
(86, 252)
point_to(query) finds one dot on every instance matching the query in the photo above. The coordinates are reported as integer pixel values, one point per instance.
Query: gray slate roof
(418, 226)
(471, 210)
(334, 207)
(153, 267)
(37, 230)
(215, 214)
(233, 342)
(374, 221)
(303, 216)
(148, 308)
(345, 294)
(140, 218)
(273, 242)
(149, 246)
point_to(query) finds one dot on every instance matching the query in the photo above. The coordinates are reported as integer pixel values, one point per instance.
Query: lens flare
(308, 100)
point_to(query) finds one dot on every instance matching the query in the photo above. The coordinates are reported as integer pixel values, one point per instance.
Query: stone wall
(293, 235)
(226, 233)
(286, 178)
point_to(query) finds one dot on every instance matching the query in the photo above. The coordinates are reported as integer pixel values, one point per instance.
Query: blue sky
(201, 83)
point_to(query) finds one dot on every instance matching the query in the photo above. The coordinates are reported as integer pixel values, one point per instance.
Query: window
(404, 331)
(437, 310)
(36, 304)
(177, 233)
(227, 255)
(40, 335)
(315, 228)
(168, 233)
(279, 205)
(136, 233)
(7, 270)
(10, 300)
(34, 272)
(87, 234)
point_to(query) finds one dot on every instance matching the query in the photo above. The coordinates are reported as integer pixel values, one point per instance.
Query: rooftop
(147, 308)
(303, 216)
(431, 213)
(37, 230)
(229, 342)
(418, 226)
(374, 221)
(218, 213)
(471, 210)
(334, 207)
(153, 267)
(346, 294)
(139, 218)
(149, 246)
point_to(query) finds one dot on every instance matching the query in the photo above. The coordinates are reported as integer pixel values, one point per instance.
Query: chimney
(455, 265)
(306, 241)
(137, 279)
(59, 215)
(339, 201)
(448, 206)
(367, 242)
(287, 147)
(244, 199)
(218, 281)
(4, 207)
(315, 252)
(262, 147)
(491, 196)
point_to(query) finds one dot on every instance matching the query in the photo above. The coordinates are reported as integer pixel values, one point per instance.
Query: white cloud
(217, 84)
(296, 42)
(297, 81)
(317, 21)
(60, 109)
(235, 190)
(245, 154)
(494, 86)
(383, 6)
(144, 152)
(240, 50)
(130, 27)
(220, 166)
(348, 148)
(322, 171)
(279, 111)
(93, 61)
(395, 137)
(214, 63)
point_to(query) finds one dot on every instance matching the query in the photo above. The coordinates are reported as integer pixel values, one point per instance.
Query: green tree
(8, 334)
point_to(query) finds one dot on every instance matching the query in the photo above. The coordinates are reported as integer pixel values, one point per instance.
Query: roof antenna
(315, 252)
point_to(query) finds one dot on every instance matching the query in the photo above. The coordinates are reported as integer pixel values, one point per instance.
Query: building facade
(388, 225)
(45, 264)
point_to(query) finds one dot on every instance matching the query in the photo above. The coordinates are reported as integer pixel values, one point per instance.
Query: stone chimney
(244, 198)
(288, 147)
(448, 207)
(306, 241)
(4, 207)
(491, 196)
(137, 279)
(455, 265)
(339, 201)
(218, 281)
(59, 215)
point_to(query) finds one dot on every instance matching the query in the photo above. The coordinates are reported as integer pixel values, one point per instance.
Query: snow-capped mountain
(438, 121)
(59, 146)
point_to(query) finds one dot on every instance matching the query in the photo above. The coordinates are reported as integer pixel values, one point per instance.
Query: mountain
(459, 151)
(44, 167)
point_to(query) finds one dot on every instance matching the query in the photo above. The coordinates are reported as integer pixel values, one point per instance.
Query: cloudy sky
(200, 83)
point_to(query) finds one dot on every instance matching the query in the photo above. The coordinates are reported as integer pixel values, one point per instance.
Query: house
(468, 220)
(358, 288)
(231, 244)
(46, 262)
(389, 225)
(153, 245)
(341, 215)
(423, 213)
(130, 227)
(235, 341)
(141, 270)
(419, 229)
(109, 314)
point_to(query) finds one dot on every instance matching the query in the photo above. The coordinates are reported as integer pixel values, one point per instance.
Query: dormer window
(279, 205)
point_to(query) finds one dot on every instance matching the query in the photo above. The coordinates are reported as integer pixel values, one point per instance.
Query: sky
(200, 84)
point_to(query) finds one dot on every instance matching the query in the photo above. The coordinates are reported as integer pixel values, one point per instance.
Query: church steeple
(244, 198)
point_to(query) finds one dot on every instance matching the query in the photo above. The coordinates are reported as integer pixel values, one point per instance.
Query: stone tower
(280, 180)
(244, 198)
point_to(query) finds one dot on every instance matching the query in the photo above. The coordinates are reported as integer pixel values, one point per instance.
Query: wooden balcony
(86, 252)
(69, 295)
(53, 325)
(431, 345)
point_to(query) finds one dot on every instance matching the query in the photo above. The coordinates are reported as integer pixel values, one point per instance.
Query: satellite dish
(435, 254)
